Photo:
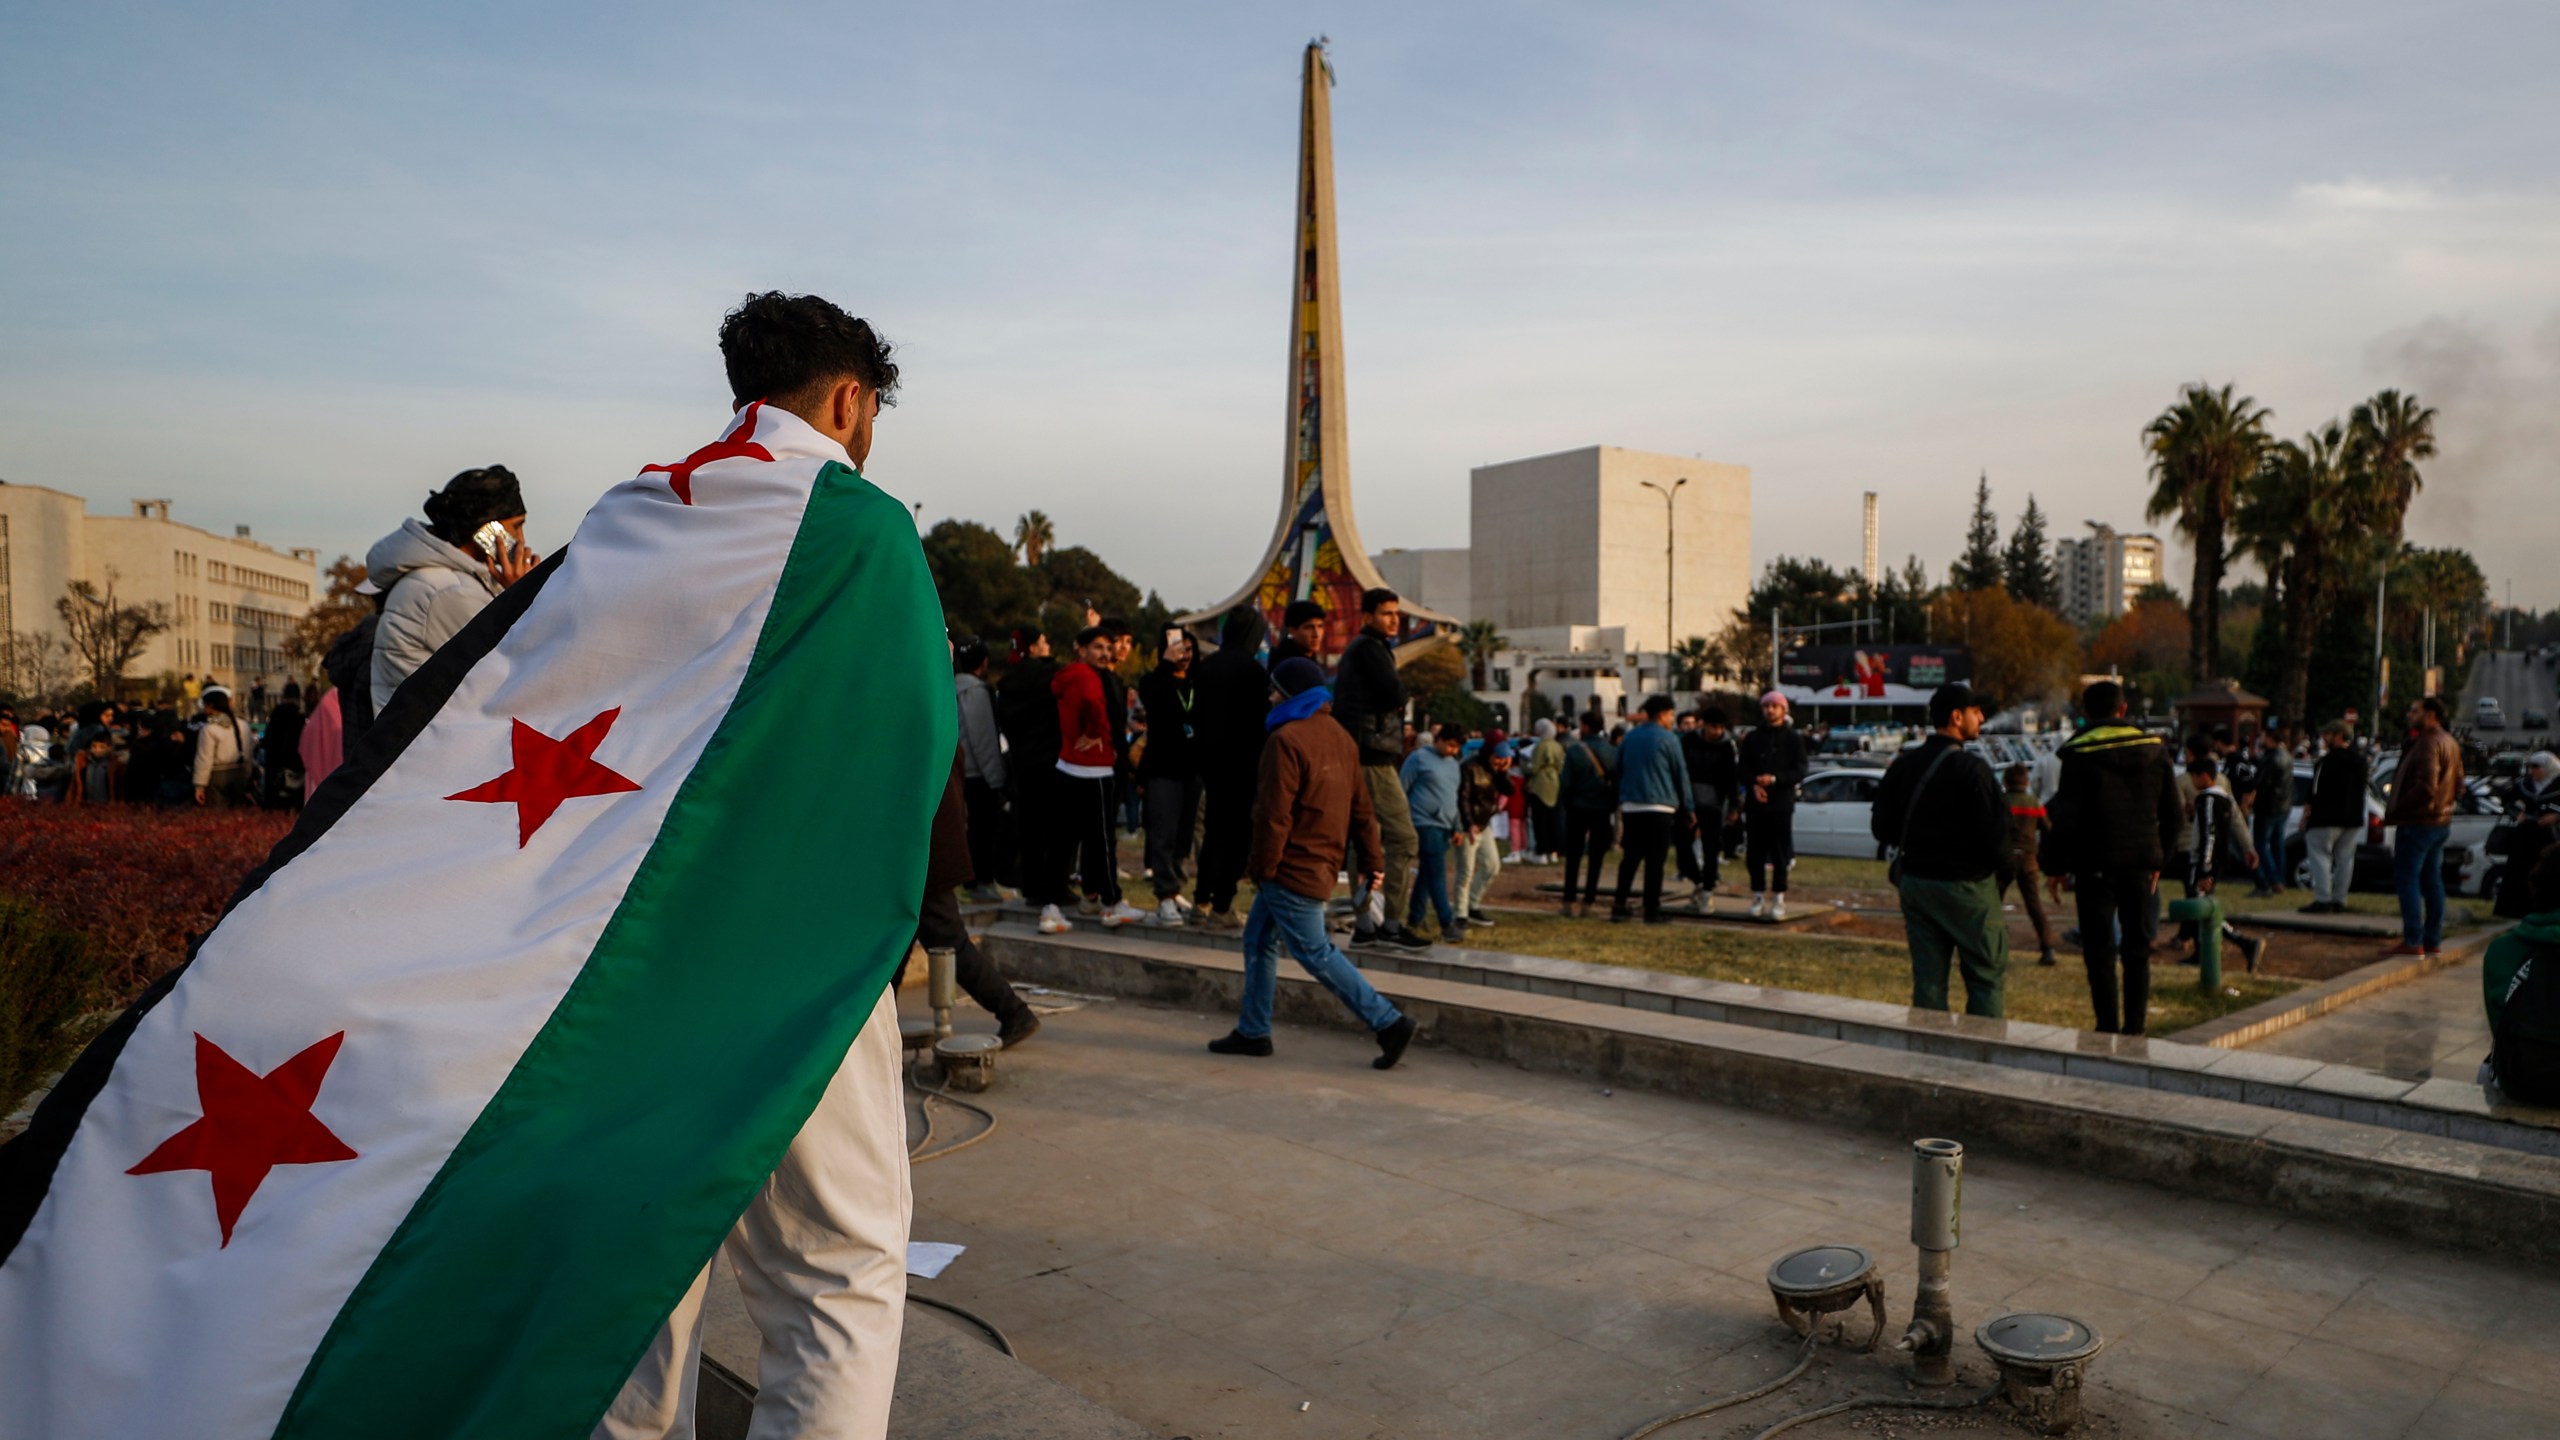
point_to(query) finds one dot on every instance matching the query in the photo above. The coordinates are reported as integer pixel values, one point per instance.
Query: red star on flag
(549, 771)
(680, 475)
(251, 1124)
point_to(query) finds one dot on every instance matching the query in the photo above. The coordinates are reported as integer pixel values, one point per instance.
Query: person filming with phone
(437, 573)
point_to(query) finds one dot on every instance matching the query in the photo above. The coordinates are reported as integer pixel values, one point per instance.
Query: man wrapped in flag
(558, 984)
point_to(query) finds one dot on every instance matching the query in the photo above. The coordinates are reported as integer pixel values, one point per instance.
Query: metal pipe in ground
(1937, 1217)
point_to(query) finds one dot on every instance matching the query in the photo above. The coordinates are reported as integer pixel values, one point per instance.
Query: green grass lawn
(1861, 969)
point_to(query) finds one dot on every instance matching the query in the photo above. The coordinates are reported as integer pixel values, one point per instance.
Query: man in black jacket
(1234, 699)
(1368, 700)
(1170, 771)
(1774, 761)
(2115, 815)
(1301, 633)
(1715, 775)
(1027, 713)
(2333, 819)
(1942, 807)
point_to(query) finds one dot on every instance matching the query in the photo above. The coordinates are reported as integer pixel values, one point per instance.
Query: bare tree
(106, 635)
(35, 666)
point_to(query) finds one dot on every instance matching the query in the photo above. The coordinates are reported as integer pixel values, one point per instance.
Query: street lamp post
(1670, 538)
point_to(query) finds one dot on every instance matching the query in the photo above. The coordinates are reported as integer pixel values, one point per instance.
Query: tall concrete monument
(1316, 551)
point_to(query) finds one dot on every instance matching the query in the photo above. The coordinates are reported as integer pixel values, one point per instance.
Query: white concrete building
(1657, 546)
(231, 599)
(1433, 579)
(2098, 576)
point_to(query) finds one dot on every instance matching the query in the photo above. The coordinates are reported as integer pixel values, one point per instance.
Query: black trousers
(1769, 844)
(939, 927)
(1586, 835)
(1226, 837)
(1546, 823)
(1082, 833)
(1173, 814)
(990, 834)
(1700, 851)
(2113, 903)
(1034, 839)
(1649, 834)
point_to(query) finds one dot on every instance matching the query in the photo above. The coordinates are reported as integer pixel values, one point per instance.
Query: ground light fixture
(2042, 1359)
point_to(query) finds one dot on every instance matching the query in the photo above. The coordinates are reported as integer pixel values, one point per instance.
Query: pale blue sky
(293, 265)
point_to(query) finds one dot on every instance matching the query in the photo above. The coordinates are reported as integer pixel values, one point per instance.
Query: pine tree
(2028, 564)
(1979, 568)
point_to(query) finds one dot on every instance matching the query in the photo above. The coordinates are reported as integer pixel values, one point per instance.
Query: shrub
(47, 984)
(137, 884)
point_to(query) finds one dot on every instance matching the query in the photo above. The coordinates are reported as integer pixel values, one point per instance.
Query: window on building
(1501, 677)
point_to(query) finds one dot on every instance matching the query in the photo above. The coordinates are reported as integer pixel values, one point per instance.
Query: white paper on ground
(927, 1259)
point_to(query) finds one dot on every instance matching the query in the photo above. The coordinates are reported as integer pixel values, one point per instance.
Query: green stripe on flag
(748, 951)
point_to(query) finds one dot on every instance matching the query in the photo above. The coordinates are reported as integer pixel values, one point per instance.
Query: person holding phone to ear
(436, 573)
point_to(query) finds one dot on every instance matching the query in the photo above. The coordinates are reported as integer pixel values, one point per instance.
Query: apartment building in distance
(231, 599)
(2098, 576)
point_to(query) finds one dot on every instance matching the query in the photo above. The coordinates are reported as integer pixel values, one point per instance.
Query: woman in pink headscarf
(323, 743)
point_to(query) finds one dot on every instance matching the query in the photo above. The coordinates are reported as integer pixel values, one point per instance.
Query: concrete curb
(2444, 1191)
(2256, 1023)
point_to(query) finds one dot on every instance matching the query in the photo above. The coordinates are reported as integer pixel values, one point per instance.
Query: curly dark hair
(779, 347)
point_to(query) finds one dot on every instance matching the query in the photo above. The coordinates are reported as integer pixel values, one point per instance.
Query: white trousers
(821, 1256)
(1479, 860)
(2331, 850)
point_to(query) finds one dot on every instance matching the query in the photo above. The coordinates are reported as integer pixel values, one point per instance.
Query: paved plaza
(1463, 1248)
(2435, 1026)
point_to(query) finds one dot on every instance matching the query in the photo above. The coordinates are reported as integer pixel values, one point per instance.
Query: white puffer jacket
(431, 590)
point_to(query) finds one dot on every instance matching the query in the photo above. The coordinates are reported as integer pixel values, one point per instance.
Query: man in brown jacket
(1310, 808)
(2423, 791)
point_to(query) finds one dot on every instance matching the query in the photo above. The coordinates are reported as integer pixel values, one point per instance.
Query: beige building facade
(1655, 546)
(2097, 577)
(231, 599)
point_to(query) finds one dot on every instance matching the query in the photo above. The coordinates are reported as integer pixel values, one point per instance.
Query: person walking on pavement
(1715, 774)
(1774, 762)
(1430, 780)
(2220, 832)
(983, 772)
(1653, 798)
(1235, 698)
(1942, 810)
(1545, 785)
(2423, 792)
(2267, 810)
(1027, 713)
(2115, 815)
(1590, 787)
(1484, 782)
(1088, 757)
(1301, 633)
(1311, 814)
(2027, 826)
(1170, 770)
(1368, 701)
(2333, 818)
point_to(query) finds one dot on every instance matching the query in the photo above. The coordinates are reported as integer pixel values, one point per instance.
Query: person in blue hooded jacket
(1653, 799)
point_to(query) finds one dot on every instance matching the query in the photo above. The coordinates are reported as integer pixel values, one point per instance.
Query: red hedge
(137, 882)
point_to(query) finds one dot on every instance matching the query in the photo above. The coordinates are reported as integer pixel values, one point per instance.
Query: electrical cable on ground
(1881, 1402)
(971, 1316)
(919, 1153)
(1804, 1362)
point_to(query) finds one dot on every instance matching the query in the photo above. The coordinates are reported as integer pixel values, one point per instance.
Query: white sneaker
(1759, 905)
(1169, 913)
(1778, 908)
(1053, 923)
(1182, 903)
(1122, 914)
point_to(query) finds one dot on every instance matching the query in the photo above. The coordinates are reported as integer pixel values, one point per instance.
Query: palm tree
(2390, 434)
(1033, 534)
(1692, 660)
(2203, 449)
(2293, 520)
(1480, 641)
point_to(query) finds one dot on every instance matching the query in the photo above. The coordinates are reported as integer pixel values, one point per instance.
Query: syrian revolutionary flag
(467, 1085)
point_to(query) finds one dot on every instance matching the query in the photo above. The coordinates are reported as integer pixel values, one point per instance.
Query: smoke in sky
(2497, 398)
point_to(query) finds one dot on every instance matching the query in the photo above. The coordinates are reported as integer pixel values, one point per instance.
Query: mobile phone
(492, 539)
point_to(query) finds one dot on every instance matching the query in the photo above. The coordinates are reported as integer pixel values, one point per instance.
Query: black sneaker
(1620, 914)
(1391, 1043)
(1364, 935)
(1480, 920)
(1232, 1043)
(2252, 946)
(2045, 959)
(1018, 1029)
(1403, 936)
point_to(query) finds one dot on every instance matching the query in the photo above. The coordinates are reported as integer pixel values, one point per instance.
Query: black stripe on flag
(28, 1162)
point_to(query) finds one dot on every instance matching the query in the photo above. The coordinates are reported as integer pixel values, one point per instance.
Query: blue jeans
(1431, 879)
(1283, 915)
(2417, 872)
(2267, 833)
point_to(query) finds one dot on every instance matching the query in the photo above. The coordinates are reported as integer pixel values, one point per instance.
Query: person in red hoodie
(1088, 758)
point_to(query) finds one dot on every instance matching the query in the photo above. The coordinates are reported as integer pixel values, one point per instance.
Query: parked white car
(1833, 811)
